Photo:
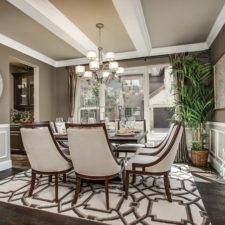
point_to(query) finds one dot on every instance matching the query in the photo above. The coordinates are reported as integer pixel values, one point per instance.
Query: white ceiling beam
(26, 50)
(132, 17)
(46, 14)
(217, 26)
(179, 48)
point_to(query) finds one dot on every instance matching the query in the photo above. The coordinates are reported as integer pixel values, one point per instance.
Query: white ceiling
(61, 32)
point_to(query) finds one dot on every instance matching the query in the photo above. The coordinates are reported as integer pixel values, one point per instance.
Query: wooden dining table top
(113, 137)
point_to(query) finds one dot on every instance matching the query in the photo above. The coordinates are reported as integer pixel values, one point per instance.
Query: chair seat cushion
(129, 147)
(147, 151)
(141, 159)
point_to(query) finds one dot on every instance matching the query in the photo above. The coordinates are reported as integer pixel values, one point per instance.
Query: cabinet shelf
(23, 91)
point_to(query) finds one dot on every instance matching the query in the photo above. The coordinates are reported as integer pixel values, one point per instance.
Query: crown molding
(71, 62)
(52, 19)
(179, 48)
(132, 17)
(217, 26)
(26, 50)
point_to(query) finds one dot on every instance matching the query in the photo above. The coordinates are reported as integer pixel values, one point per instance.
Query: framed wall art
(1, 85)
(219, 83)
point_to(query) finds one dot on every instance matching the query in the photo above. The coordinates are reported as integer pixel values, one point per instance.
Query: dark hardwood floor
(213, 195)
(212, 190)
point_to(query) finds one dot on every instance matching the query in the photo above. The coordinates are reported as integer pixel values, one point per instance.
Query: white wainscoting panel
(3, 145)
(5, 161)
(216, 145)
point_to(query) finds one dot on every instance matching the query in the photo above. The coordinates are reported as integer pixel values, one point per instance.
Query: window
(162, 116)
(133, 97)
(89, 102)
(161, 100)
(124, 98)
(112, 99)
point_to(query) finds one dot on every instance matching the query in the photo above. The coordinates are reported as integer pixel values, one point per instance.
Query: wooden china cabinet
(23, 101)
(23, 91)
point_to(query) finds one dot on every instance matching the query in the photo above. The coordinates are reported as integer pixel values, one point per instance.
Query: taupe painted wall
(217, 50)
(47, 98)
(62, 99)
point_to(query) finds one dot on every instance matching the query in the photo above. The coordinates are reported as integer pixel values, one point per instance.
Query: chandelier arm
(105, 66)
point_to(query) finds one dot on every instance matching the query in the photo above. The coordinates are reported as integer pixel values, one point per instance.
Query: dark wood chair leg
(78, 187)
(167, 187)
(41, 176)
(56, 188)
(125, 158)
(107, 193)
(33, 178)
(64, 178)
(126, 184)
(123, 179)
(133, 178)
(50, 178)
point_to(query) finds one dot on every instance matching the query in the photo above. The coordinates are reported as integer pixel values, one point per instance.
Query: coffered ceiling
(60, 32)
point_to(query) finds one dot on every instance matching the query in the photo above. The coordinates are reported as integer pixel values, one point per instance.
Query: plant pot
(199, 157)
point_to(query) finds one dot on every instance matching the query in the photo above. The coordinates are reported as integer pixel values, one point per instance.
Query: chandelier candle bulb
(120, 70)
(94, 65)
(80, 70)
(113, 66)
(91, 55)
(110, 56)
(88, 74)
(105, 74)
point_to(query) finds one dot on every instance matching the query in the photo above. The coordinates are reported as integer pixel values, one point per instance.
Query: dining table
(114, 138)
(133, 138)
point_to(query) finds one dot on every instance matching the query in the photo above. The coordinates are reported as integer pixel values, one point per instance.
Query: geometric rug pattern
(146, 203)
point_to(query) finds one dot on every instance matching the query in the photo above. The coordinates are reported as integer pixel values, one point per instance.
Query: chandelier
(102, 67)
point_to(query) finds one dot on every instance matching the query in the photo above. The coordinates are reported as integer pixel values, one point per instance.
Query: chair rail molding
(5, 161)
(216, 146)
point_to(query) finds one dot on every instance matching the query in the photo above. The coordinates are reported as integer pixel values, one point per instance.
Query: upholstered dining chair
(142, 149)
(158, 148)
(91, 155)
(44, 154)
(156, 165)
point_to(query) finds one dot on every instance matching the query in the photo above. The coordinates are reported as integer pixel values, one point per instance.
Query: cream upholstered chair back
(168, 155)
(41, 150)
(90, 151)
(168, 134)
(168, 139)
(157, 149)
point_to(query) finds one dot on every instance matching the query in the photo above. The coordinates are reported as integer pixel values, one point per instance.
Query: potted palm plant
(194, 100)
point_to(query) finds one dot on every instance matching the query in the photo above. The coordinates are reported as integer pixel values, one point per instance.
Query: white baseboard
(5, 165)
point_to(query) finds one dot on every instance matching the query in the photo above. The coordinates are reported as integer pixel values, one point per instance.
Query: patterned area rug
(146, 203)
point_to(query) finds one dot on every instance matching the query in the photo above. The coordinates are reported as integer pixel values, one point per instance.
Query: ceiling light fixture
(102, 67)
